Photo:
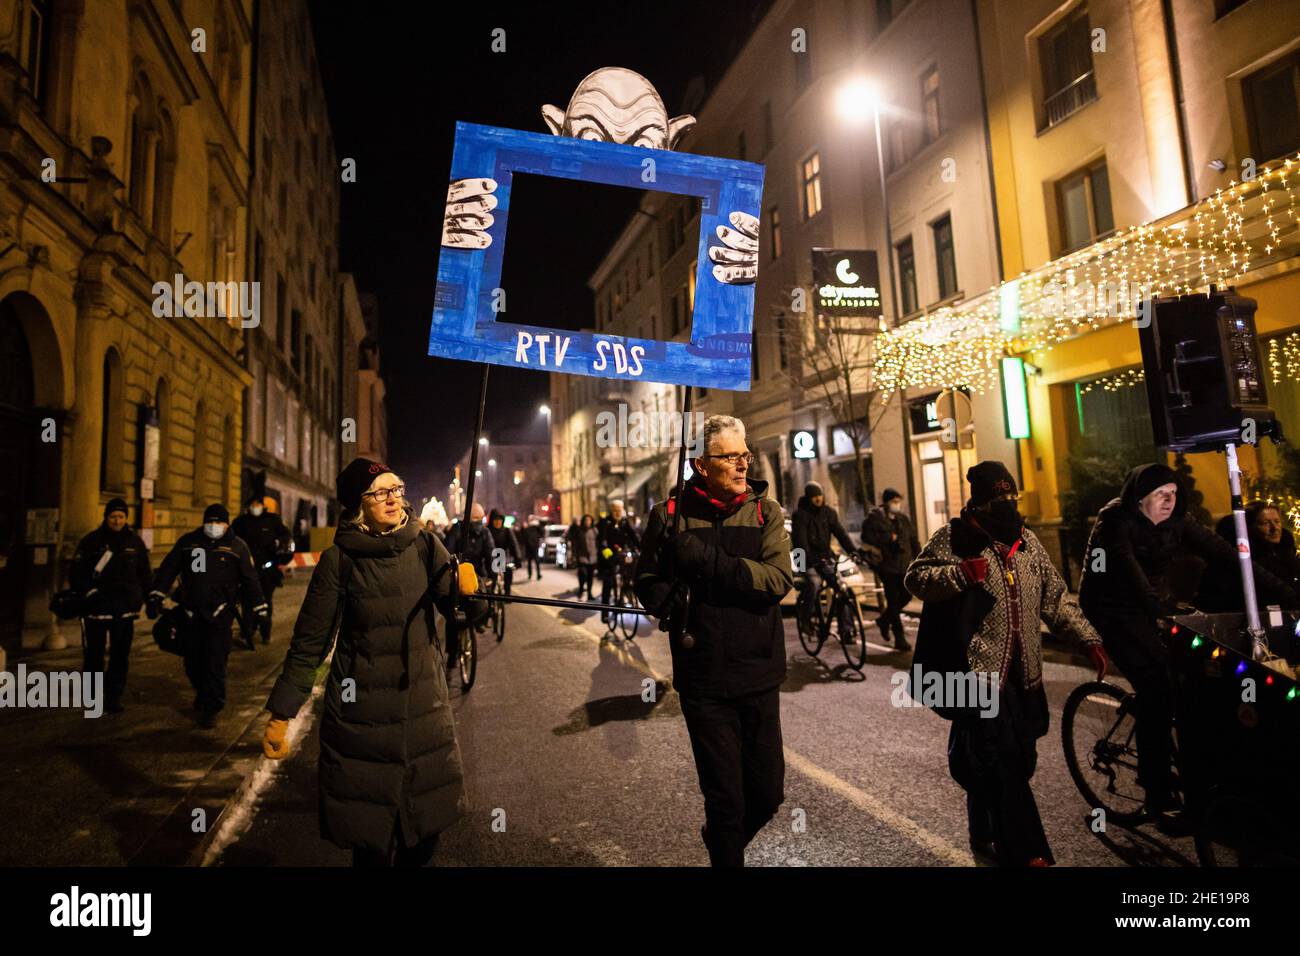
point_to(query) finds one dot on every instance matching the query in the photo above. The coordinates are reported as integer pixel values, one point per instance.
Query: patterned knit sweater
(1026, 589)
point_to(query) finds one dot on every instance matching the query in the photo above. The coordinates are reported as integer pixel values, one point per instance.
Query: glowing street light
(858, 101)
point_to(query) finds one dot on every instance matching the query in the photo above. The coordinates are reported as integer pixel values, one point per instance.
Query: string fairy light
(1240, 228)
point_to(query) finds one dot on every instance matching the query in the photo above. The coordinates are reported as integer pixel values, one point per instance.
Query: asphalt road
(567, 763)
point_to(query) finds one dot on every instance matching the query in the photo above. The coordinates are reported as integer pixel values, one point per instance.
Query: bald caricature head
(617, 105)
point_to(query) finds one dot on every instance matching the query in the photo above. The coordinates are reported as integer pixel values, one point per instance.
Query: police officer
(110, 571)
(216, 571)
(268, 541)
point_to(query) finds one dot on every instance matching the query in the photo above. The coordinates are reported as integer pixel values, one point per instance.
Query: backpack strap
(759, 503)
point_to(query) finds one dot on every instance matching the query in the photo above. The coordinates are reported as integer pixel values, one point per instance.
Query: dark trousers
(116, 635)
(586, 574)
(205, 661)
(1132, 643)
(398, 853)
(741, 766)
(896, 598)
(533, 559)
(993, 758)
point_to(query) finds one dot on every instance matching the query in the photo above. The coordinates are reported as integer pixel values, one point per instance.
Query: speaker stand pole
(1257, 645)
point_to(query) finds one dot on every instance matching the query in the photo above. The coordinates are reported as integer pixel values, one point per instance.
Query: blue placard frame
(465, 327)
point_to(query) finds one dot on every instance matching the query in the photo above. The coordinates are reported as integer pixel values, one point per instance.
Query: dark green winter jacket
(733, 642)
(388, 741)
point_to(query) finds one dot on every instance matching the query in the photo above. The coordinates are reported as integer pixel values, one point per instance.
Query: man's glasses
(384, 494)
(735, 458)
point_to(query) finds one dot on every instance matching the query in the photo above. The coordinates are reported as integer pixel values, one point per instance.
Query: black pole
(681, 459)
(473, 453)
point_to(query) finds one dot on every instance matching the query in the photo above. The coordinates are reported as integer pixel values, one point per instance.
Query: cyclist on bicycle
(812, 527)
(506, 539)
(614, 535)
(474, 547)
(1137, 535)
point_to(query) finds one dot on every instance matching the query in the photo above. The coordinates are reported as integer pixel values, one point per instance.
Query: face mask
(895, 507)
(214, 529)
(256, 511)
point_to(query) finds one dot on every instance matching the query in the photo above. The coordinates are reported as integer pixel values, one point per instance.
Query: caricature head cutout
(617, 105)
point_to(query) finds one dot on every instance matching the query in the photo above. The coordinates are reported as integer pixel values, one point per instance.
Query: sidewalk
(123, 788)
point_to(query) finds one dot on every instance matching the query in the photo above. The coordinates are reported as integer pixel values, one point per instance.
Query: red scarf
(723, 509)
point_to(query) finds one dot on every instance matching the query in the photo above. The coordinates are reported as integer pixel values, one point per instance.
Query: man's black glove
(690, 554)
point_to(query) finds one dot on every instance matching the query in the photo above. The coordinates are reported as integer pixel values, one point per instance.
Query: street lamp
(857, 100)
(544, 410)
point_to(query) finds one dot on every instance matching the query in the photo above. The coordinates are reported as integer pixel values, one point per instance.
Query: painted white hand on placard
(469, 213)
(736, 260)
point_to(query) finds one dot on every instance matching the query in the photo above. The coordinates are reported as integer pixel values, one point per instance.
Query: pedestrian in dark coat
(1125, 590)
(582, 553)
(216, 572)
(889, 530)
(720, 580)
(110, 570)
(270, 543)
(390, 768)
(988, 587)
(533, 533)
(1272, 547)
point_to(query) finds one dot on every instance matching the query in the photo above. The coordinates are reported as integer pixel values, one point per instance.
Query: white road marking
(903, 825)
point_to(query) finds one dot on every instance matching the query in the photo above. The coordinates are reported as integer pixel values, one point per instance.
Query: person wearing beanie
(1126, 588)
(889, 530)
(812, 527)
(215, 571)
(110, 570)
(988, 586)
(269, 542)
(390, 767)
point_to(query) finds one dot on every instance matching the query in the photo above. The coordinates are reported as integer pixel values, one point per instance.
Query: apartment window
(1272, 114)
(1065, 55)
(774, 227)
(1224, 7)
(945, 257)
(907, 276)
(782, 347)
(295, 340)
(1083, 201)
(769, 137)
(812, 186)
(888, 10)
(896, 152)
(930, 104)
(36, 47)
(281, 303)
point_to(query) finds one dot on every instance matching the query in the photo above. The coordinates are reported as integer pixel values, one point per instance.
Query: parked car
(553, 546)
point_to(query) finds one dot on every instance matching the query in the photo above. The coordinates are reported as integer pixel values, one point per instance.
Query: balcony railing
(1069, 99)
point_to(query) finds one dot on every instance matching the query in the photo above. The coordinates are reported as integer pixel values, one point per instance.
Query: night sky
(397, 82)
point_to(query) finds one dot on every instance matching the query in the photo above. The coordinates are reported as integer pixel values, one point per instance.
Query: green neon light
(1009, 306)
(1015, 398)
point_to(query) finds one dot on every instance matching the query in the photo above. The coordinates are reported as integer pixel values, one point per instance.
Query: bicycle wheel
(499, 620)
(467, 659)
(809, 625)
(848, 626)
(612, 617)
(628, 623)
(1099, 734)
